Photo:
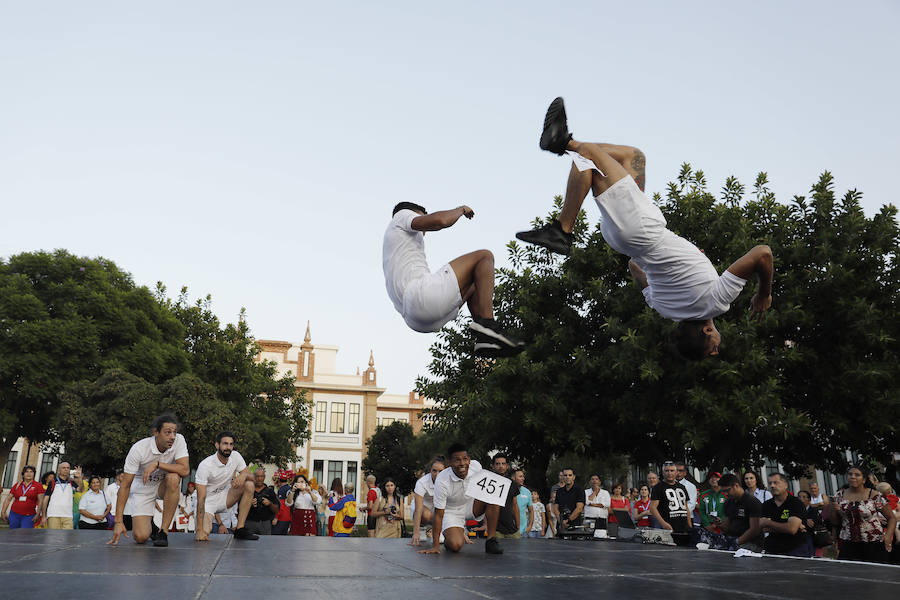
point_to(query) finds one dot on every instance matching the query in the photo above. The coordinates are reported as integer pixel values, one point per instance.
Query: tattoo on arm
(639, 166)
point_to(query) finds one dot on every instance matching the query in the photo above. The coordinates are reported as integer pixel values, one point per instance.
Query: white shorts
(458, 518)
(143, 499)
(216, 503)
(431, 301)
(631, 224)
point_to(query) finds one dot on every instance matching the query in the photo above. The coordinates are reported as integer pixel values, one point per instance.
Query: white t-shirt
(94, 503)
(594, 512)
(450, 490)
(60, 503)
(692, 493)
(682, 282)
(302, 500)
(145, 453)
(425, 488)
(538, 523)
(403, 256)
(217, 476)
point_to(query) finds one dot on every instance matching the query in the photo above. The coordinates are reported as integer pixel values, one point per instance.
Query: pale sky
(253, 151)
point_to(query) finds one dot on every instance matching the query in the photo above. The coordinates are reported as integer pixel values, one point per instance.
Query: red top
(372, 496)
(642, 506)
(622, 504)
(26, 507)
(892, 501)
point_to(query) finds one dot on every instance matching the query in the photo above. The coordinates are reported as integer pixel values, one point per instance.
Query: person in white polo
(424, 497)
(452, 508)
(222, 480)
(153, 470)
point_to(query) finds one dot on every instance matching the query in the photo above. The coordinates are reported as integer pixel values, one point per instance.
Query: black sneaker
(551, 236)
(242, 533)
(492, 546)
(160, 539)
(490, 331)
(555, 136)
(487, 347)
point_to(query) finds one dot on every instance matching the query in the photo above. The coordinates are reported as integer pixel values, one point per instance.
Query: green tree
(65, 318)
(389, 455)
(101, 419)
(276, 414)
(814, 378)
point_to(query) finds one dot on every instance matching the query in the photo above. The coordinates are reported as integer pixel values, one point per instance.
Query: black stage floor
(78, 564)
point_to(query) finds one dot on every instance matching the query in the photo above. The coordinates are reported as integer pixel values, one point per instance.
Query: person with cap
(711, 504)
(282, 521)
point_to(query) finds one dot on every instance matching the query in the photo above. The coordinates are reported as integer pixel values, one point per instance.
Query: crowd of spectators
(726, 511)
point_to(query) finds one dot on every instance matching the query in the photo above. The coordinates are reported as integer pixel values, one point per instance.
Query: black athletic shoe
(242, 533)
(160, 539)
(550, 236)
(492, 546)
(489, 331)
(555, 136)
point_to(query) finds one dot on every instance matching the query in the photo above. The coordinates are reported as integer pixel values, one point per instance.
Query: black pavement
(79, 564)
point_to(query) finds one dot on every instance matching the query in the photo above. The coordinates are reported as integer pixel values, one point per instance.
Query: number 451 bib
(489, 487)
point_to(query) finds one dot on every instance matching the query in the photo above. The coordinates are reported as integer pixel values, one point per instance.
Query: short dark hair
(781, 476)
(409, 206)
(454, 448)
(690, 339)
(728, 480)
(808, 495)
(29, 468)
(93, 477)
(161, 420)
(224, 434)
(498, 456)
(567, 469)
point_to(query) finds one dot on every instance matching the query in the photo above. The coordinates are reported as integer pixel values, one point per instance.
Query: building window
(319, 472)
(48, 463)
(337, 417)
(9, 475)
(335, 471)
(353, 425)
(321, 410)
(351, 472)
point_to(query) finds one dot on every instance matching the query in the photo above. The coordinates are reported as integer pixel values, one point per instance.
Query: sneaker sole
(556, 249)
(555, 124)
(494, 335)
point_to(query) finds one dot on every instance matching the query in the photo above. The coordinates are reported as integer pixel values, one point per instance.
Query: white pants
(631, 224)
(431, 301)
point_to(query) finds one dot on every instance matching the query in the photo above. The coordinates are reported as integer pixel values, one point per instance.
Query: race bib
(489, 487)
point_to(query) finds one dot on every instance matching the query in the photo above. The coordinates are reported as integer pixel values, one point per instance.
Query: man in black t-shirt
(264, 505)
(508, 521)
(668, 502)
(569, 501)
(782, 518)
(742, 512)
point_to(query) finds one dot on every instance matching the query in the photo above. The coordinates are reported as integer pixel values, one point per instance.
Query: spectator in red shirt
(642, 507)
(26, 498)
(617, 502)
(371, 498)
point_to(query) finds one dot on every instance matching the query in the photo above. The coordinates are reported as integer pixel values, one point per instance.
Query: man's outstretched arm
(758, 261)
(441, 219)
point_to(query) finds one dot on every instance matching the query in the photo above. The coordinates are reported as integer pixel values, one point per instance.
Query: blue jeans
(534, 534)
(17, 521)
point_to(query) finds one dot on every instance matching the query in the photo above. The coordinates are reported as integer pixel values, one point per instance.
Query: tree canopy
(64, 319)
(88, 358)
(814, 378)
(389, 455)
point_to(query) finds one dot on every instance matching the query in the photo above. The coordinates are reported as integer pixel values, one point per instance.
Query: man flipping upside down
(426, 300)
(676, 278)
